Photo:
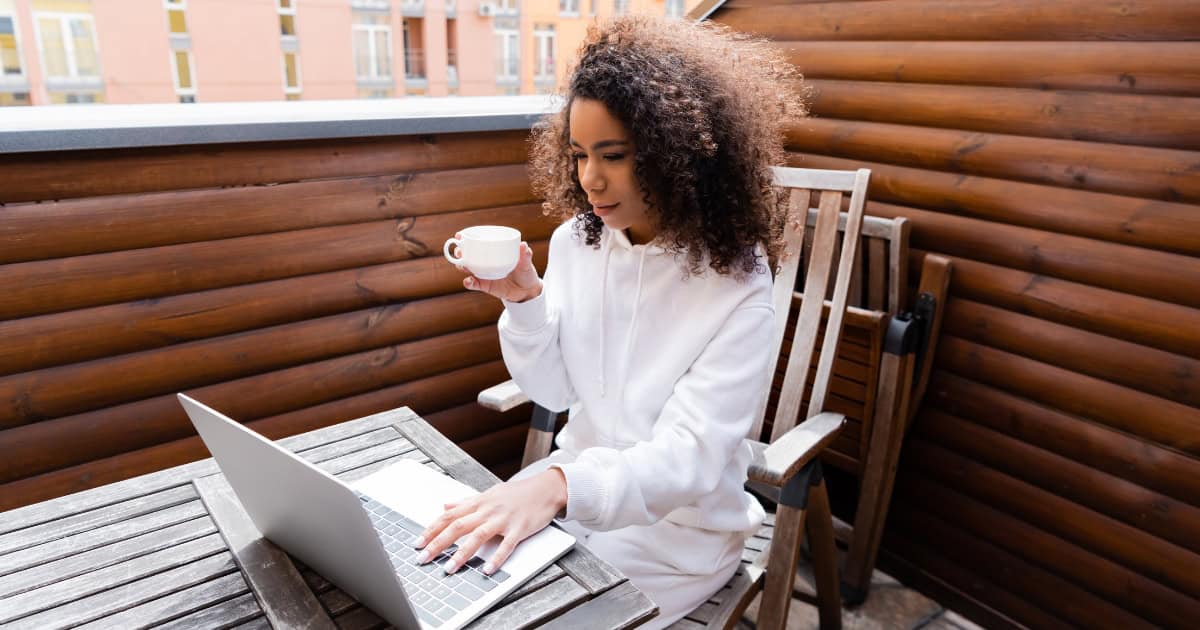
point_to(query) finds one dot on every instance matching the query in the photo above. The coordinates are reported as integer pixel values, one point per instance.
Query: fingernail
(470, 282)
(424, 557)
(450, 567)
(420, 542)
(488, 568)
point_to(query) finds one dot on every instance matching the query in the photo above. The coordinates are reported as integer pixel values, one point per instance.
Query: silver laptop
(360, 536)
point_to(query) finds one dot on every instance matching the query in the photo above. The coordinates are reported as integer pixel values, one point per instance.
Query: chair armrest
(778, 461)
(502, 397)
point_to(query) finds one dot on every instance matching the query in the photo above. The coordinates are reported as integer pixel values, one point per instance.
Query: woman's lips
(602, 211)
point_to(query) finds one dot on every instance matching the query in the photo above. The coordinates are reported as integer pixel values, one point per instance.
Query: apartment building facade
(159, 51)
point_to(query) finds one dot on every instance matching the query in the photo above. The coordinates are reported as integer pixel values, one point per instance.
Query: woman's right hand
(521, 284)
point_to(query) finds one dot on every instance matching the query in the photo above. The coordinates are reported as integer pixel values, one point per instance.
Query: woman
(652, 324)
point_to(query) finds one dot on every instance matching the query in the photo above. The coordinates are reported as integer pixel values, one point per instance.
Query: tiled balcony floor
(890, 606)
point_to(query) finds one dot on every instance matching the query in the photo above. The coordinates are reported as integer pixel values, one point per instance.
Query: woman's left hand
(514, 511)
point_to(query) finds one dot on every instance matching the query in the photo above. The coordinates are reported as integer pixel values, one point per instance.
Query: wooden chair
(786, 469)
(880, 374)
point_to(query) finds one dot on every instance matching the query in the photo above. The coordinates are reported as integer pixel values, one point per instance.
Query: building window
(291, 74)
(185, 72)
(507, 55)
(183, 65)
(620, 7)
(674, 8)
(176, 18)
(372, 46)
(568, 7)
(414, 49)
(543, 53)
(451, 52)
(10, 52)
(68, 45)
(287, 18)
(289, 43)
(508, 7)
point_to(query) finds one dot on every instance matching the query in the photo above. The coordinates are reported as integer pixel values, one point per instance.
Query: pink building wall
(476, 51)
(323, 30)
(136, 65)
(235, 47)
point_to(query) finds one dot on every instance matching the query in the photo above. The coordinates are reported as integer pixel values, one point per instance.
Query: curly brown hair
(706, 108)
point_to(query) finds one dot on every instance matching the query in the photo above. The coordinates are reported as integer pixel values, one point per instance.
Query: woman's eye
(579, 156)
(613, 157)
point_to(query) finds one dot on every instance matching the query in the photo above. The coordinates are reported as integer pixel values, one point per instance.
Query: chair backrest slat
(876, 280)
(841, 293)
(808, 322)
(782, 292)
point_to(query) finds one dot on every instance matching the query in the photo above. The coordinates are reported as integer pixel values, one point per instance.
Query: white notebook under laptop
(360, 536)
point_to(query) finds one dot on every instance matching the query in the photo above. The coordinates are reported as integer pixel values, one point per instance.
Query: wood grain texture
(49, 176)
(1148, 322)
(1025, 20)
(1133, 171)
(1170, 424)
(48, 286)
(1167, 226)
(119, 222)
(1147, 120)
(160, 419)
(1124, 67)
(1144, 508)
(285, 599)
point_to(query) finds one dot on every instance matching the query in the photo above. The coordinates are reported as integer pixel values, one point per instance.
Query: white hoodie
(662, 374)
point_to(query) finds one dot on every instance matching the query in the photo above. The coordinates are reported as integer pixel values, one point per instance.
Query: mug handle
(446, 251)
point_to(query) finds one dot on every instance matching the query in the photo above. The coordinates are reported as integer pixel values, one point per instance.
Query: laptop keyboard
(435, 595)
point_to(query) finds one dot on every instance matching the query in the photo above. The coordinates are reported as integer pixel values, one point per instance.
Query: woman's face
(603, 152)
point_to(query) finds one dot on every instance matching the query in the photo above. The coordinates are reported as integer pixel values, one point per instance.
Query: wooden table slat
(350, 445)
(238, 610)
(336, 601)
(182, 602)
(447, 454)
(341, 431)
(91, 519)
(360, 618)
(100, 536)
(81, 586)
(370, 455)
(100, 557)
(260, 623)
(352, 475)
(129, 595)
(537, 606)
(54, 509)
(623, 606)
(287, 601)
(548, 575)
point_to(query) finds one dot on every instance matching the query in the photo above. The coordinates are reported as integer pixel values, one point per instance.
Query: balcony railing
(414, 64)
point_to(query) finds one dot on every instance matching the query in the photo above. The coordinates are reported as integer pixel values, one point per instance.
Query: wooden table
(176, 548)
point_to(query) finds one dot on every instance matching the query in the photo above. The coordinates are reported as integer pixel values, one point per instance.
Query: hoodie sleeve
(529, 340)
(703, 423)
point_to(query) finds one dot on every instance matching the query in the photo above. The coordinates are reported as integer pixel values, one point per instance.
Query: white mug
(491, 252)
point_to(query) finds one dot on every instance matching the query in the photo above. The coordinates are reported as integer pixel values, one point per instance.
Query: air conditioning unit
(487, 9)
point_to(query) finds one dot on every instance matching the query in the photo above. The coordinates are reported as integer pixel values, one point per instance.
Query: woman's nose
(591, 178)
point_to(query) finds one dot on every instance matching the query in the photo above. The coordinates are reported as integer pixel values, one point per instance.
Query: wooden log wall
(291, 285)
(1052, 151)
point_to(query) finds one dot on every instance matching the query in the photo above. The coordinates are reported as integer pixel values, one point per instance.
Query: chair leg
(781, 568)
(819, 527)
(803, 500)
